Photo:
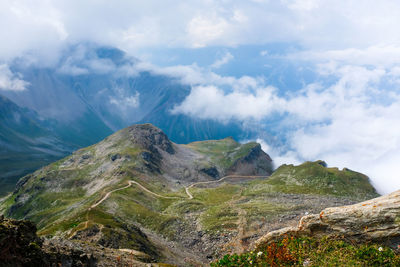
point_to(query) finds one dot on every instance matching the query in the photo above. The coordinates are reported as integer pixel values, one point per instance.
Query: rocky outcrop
(19, 245)
(211, 171)
(256, 162)
(150, 137)
(122, 237)
(155, 143)
(376, 220)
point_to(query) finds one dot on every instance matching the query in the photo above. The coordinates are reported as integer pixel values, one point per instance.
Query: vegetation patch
(306, 251)
(185, 206)
(216, 196)
(219, 218)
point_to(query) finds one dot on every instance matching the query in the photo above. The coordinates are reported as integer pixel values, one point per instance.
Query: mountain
(26, 143)
(92, 92)
(92, 86)
(182, 204)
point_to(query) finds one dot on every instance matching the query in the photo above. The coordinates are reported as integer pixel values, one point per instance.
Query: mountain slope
(25, 144)
(184, 204)
(69, 197)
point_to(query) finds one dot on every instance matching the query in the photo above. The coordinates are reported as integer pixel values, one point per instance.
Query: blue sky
(321, 75)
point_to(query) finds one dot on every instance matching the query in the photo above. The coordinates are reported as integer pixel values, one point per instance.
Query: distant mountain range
(89, 94)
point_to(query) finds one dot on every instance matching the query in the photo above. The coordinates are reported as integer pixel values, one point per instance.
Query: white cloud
(302, 5)
(377, 55)
(205, 29)
(360, 136)
(83, 60)
(356, 125)
(44, 26)
(211, 102)
(278, 156)
(222, 61)
(10, 81)
(124, 101)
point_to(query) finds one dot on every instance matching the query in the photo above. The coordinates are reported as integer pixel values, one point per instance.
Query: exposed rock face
(257, 162)
(212, 171)
(19, 245)
(375, 220)
(150, 137)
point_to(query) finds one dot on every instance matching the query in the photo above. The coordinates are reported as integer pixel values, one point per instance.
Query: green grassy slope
(224, 152)
(58, 197)
(316, 178)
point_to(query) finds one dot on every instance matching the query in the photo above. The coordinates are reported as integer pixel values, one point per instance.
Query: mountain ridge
(138, 190)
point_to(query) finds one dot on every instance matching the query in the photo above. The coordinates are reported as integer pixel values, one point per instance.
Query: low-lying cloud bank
(352, 121)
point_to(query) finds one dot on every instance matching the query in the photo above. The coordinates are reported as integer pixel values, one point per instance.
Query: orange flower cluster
(280, 254)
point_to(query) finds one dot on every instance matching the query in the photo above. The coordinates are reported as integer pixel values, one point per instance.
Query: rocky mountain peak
(148, 136)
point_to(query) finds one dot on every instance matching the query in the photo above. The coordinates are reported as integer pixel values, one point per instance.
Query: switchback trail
(190, 196)
(129, 185)
(107, 195)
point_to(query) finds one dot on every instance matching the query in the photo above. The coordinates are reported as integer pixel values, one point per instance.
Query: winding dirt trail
(129, 185)
(190, 196)
(108, 195)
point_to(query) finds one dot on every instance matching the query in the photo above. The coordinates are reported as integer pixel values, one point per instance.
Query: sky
(323, 76)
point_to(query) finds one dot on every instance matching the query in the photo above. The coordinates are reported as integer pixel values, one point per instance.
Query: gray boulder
(376, 220)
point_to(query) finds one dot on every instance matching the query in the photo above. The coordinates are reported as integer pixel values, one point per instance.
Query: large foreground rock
(375, 220)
